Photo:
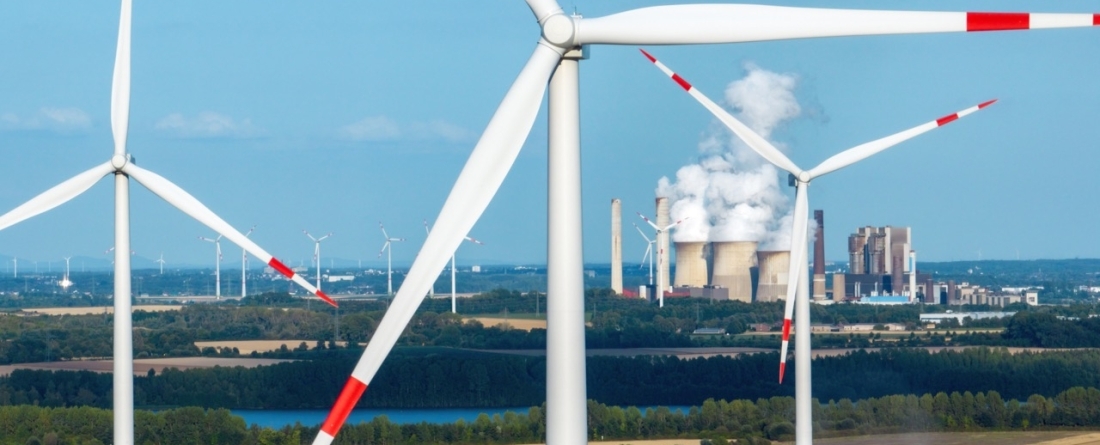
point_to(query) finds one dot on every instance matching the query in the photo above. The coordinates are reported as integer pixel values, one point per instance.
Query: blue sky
(332, 117)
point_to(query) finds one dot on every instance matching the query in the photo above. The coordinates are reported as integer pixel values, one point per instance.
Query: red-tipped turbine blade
(758, 144)
(864, 151)
(732, 23)
(182, 200)
(483, 174)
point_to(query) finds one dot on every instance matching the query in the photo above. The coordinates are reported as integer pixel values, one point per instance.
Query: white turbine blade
(57, 195)
(651, 224)
(474, 240)
(384, 234)
(864, 151)
(384, 246)
(543, 8)
(675, 224)
(797, 266)
(120, 83)
(323, 237)
(758, 144)
(489, 163)
(310, 236)
(426, 231)
(192, 207)
(643, 234)
(648, 250)
(723, 23)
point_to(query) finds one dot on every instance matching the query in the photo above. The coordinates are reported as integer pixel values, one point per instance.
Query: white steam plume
(732, 194)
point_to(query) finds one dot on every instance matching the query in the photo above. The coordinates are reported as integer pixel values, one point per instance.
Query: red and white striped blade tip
(1008, 21)
(786, 329)
(955, 116)
(346, 402)
(782, 369)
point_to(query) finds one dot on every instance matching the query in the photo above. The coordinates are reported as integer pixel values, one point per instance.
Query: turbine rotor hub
(803, 176)
(559, 30)
(118, 161)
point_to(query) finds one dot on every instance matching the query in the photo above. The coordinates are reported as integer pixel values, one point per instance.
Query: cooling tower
(733, 262)
(662, 252)
(691, 265)
(774, 267)
(617, 246)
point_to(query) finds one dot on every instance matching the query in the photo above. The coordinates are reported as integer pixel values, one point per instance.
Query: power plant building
(882, 262)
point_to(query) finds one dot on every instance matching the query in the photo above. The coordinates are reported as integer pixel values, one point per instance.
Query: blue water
(281, 418)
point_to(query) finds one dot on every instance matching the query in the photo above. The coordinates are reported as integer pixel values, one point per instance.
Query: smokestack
(819, 255)
(617, 246)
(774, 267)
(691, 264)
(733, 263)
(663, 256)
(913, 276)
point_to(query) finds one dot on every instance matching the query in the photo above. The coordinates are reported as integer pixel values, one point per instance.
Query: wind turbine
(159, 261)
(454, 293)
(244, 267)
(648, 252)
(660, 254)
(388, 249)
(123, 167)
(65, 283)
(556, 60)
(798, 281)
(317, 253)
(217, 264)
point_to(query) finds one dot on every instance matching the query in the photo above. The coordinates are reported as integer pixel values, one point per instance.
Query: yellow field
(514, 323)
(99, 310)
(992, 438)
(259, 346)
(142, 366)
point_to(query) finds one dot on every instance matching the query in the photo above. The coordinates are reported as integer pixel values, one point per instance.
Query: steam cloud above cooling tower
(732, 194)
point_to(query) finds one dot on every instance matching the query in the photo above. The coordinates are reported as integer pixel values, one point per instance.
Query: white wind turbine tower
(454, 292)
(217, 264)
(244, 267)
(556, 60)
(798, 278)
(122, 166)
(317, 253)
(648, 252)
(660, 255)
(161, 262)
(388, 250)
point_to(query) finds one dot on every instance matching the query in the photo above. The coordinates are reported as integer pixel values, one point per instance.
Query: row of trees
(715, 421)
(437, 377)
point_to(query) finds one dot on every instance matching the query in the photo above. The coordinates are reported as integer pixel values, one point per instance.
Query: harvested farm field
(514, 323)
(98, 309)
(259, 346)
(143, 365)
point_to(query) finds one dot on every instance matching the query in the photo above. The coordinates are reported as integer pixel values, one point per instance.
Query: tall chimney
(663, 255)
(819, 255)
(617, 246)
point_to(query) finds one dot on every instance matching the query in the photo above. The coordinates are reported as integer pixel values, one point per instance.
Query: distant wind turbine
(388, 249)
(159, 261)
(244, 266)
(317, 253)
(454, 293)
(648, 252)
(217, 264)
(660, 256)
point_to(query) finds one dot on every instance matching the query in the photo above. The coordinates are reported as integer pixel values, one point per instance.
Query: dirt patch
(514, 323)
(98, 309)
(984, 438)
(259, 346)
(142, 366)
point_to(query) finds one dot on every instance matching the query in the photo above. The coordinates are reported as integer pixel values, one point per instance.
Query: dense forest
(716, 422)
(440, 377)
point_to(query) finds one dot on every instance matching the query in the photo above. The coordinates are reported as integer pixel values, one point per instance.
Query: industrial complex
(882, 269)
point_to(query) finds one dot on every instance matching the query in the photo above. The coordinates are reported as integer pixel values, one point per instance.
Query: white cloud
(372, 128)
(207, 124)
(57, 120)
(382, 128)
